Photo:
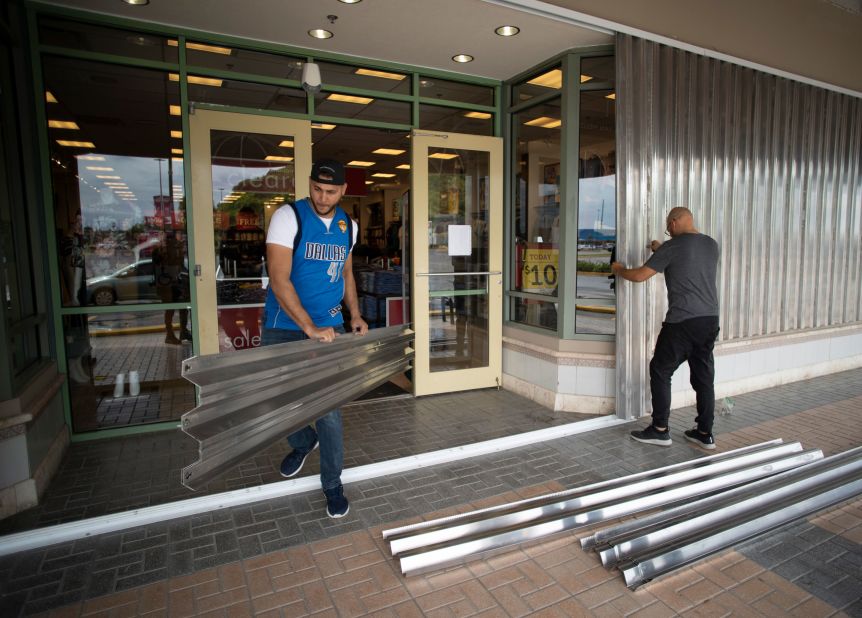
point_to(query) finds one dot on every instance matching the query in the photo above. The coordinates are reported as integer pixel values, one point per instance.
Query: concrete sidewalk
(284, 557)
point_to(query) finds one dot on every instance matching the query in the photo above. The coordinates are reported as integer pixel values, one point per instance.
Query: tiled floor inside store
(285, 557)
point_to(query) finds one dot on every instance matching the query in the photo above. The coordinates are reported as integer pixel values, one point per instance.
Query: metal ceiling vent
(255, 397)
(698, 507)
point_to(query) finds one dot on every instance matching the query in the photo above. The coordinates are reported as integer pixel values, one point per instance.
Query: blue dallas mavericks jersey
(316, 272)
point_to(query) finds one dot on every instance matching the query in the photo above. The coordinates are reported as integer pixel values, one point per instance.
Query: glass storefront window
(596, 209)
(253, 176)
(445, 90)
(451, 119)
(534, 312)
(236, 93)
(536, 208)
(547, 80)
(79, 36)
(123, 369)
(599, 69)
(361, 108)
(119, 192)
(228, 58)
(384, 80)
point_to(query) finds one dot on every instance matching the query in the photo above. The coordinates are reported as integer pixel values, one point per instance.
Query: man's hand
(654, 245)
(358, 326)
(324, 335)
(616, 267)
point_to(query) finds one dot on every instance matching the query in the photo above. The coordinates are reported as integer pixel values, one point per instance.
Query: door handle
(485, 272)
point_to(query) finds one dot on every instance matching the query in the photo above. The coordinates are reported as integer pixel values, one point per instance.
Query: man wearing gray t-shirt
(689, 261)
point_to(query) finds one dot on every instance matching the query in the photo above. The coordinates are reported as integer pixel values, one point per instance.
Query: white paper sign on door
(460, 240)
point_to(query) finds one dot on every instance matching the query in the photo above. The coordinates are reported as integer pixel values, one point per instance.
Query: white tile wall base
(25, 493)
(559, 402)
(588, 385)
(18, 497)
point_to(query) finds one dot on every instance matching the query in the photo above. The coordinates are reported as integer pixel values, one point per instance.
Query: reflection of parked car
(134, 282)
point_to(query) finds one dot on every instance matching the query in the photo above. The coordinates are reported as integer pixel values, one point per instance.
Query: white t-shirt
(282, 227)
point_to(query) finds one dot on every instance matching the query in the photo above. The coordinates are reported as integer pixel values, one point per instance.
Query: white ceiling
(424, 33)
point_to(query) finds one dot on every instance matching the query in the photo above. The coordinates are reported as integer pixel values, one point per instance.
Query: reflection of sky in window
(597, 204)
(135, 184)
(227, 177)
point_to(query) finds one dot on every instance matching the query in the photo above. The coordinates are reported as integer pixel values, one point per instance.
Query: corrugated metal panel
(771, 168)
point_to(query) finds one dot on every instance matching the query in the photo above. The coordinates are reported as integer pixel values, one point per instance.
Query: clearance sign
(539, 270)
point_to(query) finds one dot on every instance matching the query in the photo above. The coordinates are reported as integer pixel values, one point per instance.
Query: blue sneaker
(292, 464)
(336, 504)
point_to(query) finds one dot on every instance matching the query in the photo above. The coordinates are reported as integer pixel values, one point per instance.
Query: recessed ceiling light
(442, 155)
(480, 115)
(276, 158)
(551, 79)
(137, 2)
(322, 125)
(545, 122)
(344, 98)
(361, 163)
(403, 166)
(462, 58)
(382, 175)
(175, 110)
(92, 158)
(350, 1)
(194, 79)
(388, 151)
(320, 33)
(586, 78)
(74, 144)
(177, 151)
(612, 96)
(288, 143)
(177, 134)
(369, 182)
(507, 30)
(63, 124)
(213, 49)
(383, 74)
(49, 97)
(108, 177)
(98, 168)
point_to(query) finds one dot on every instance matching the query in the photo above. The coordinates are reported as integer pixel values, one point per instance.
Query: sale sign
(539, 272)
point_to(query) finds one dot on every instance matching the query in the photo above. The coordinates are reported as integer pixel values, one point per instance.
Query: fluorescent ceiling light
(345, 98)
(288, 143)
(481, 115)
(175, 110)
(194, 79)
(612, 96)
(213, 49)
(507, 30)
(322, 125)
(462, 58)
(361, 163)
(137, 2)
(403, 166)
(586, 78)
(545, 122)
(320, 33)
(177, 151)
(49, 98)
(91, 158)
(96, 168)
(108, 177)
(388, 151)
(74, 144)
(177, 134)
(369, 182)
(551, 79)
(277, 158)
(382, 74)
(382, 175)
(63, 124)
(116, 184)
(442, 155)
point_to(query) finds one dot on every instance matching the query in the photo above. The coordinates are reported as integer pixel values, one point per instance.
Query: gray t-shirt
(690, 265)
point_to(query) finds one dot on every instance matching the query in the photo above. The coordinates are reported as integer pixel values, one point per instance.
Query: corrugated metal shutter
(771, 168)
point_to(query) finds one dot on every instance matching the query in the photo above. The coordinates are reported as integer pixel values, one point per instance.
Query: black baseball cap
(328, 172)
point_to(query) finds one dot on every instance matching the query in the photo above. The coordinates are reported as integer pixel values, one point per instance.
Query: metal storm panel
(770, 167)
(254, 397)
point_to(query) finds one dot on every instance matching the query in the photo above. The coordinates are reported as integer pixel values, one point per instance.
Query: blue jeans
(329, 430)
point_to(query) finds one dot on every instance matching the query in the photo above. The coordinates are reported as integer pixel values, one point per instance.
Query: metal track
(254, 397)
(434, 544)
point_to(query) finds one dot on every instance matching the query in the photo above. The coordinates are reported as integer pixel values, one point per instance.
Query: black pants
(692, 341)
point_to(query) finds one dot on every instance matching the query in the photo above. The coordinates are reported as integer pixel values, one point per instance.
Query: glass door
(457, 231)
(244, 168)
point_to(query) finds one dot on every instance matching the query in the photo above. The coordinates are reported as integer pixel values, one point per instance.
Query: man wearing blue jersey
(310, 271)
